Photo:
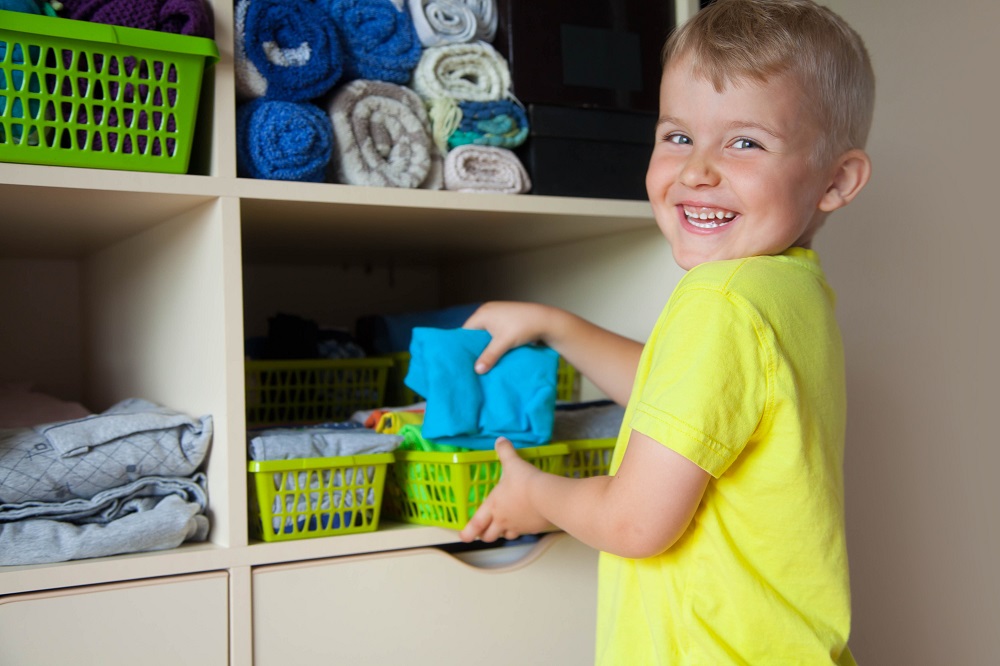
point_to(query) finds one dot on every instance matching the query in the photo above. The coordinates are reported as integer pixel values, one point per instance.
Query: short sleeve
(708, 375)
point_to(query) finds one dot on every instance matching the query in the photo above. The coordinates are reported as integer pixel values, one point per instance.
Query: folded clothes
(80, 458)
(502, 123)
(280, 140)
(112, 504)
(600, 419)
(515, 399)
(383, 136)
(284, 49)
(378, 39)
(472, 168)
(414, 440)
(182, 17)
(320, 441)
(167, 524)
(473, 72)
(440, 22)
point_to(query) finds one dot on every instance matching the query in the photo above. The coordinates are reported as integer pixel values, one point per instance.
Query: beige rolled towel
(472, 168)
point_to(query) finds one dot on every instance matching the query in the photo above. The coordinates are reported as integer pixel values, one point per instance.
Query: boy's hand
(510, 325)
(507, 511)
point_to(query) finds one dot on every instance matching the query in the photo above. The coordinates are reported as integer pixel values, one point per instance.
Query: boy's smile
(735, 173)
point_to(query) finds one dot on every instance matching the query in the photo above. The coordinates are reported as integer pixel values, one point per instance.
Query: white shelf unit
(147, 271)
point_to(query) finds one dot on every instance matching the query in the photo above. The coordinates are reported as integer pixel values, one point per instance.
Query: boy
(721, 525)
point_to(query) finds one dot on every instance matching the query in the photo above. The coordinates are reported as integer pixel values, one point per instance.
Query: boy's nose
(699, 171)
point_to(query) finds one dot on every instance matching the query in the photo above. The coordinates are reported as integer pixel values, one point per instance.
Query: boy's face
(733, 174)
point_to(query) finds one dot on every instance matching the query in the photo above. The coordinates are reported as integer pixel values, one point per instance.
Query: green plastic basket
(314, 497)
(445, 489)
(303, 392)
(82, 94)
(588, 457)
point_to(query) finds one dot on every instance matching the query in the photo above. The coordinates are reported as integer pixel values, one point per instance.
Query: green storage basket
(303, 392)
(82, 94)
(588, 457)
(315, 497)
(445, 489)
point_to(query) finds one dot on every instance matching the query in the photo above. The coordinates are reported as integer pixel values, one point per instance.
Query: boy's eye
(744, 143)
(677, 138)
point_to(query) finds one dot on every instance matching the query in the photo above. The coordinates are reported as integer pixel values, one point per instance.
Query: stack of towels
(389, 93)
(125, 480)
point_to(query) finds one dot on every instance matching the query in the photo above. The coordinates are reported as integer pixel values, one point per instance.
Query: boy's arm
(639, 512)
(607, 359)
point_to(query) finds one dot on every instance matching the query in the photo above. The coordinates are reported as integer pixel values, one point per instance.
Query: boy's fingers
(490, 356)
(477, 524)
(504, 449)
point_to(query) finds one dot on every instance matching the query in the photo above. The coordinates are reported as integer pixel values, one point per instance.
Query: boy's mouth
(708, 218)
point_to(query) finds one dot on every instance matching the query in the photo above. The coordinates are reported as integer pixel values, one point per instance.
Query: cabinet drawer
(169, 621)
(425, 606)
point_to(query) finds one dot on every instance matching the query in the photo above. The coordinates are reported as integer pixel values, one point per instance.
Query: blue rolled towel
(285, 49)
(278, 140)
(379, 41)
(502, 123)
(515, 399)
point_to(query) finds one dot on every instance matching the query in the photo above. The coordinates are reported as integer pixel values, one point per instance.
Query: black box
(585, 53)
(588, 152)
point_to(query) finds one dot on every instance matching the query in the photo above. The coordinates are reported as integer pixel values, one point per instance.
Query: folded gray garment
(80, 458)
(290, 443)
(108, 505)
(601, 421)
(168, 524)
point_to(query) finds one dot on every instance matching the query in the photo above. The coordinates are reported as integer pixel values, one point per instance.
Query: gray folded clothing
(597, 420)
(319, 442)
(167, 524)
(106, 506)
(80, 458)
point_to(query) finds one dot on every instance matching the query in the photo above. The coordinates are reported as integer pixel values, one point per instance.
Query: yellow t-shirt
(743, 374)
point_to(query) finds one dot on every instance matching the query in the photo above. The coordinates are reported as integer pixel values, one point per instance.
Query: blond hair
(737, 40)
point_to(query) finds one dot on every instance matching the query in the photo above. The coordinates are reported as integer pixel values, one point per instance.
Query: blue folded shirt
(516, 399)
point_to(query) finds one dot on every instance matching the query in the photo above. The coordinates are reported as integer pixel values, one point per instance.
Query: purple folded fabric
(182, 17)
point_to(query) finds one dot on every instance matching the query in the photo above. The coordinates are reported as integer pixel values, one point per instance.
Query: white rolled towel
(443, 21)
(382, 137)
(472, 168)
(473, 72)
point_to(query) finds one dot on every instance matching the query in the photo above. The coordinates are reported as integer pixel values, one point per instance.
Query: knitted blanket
(285, 49)
(378, 39)
(465, 72)
(382, 135)
(278, 140)
(182, 17)
(502, 123)
(472, 168)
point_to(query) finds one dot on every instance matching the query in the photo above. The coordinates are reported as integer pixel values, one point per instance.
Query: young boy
(722, 524)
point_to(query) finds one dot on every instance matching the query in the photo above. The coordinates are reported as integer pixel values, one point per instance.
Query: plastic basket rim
(542, 451)
(370, 362)
(148, 40)
(319, 463)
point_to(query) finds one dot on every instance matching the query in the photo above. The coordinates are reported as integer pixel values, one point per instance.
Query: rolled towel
(285, 50)
(279, 140)
(440, 22)
(472, 168)
(382, 134)
(486, 18)
(182, 17)
(503, 123)
(464, 72)
(379, 40)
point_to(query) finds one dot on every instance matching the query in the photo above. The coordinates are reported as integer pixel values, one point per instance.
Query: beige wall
(914, 263)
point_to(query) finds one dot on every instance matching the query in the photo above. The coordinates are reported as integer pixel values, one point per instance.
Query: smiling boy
(721, 525)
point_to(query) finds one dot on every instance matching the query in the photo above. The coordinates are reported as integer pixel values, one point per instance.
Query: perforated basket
(588, 457)
(314, 497)
(303, 392)
(82, 94)
(445, 489)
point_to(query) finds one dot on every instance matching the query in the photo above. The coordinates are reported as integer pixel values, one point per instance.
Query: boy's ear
(851, 173)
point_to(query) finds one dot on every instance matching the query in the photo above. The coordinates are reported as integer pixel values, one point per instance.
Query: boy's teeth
(709, 217)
